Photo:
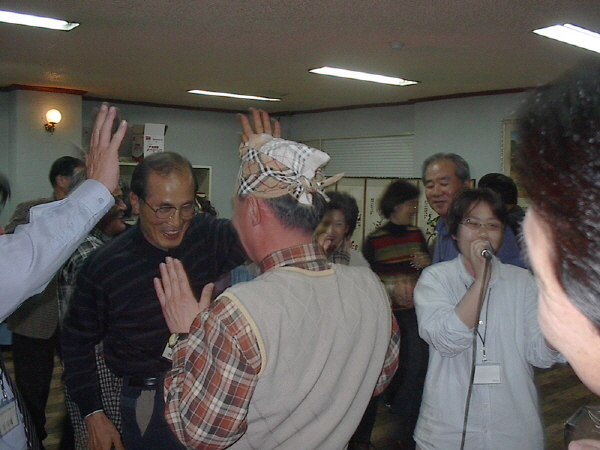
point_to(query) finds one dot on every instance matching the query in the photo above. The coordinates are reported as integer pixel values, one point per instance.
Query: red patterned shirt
(215, 368)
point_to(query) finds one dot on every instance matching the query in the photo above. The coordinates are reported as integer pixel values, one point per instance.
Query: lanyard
(486, 302)
(482, 338)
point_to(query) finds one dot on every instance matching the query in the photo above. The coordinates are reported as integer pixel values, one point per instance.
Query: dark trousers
(34, 362)
(158, 435)
(405, 391)
(362, 435)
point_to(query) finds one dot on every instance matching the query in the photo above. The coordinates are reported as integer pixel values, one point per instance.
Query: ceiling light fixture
(572, 34)
(36, 21)
(225, 94)
(362, 76)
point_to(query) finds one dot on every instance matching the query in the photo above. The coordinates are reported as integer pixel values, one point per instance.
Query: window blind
(385, 156)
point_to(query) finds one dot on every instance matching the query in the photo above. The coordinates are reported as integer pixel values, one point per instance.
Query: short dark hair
(4, 190)
(462, 167)
(341, 201)
(501, 184)
(162, 163)
(64, 166)
(295, 215)
(466, 199)
(558, 166)
(396, 193)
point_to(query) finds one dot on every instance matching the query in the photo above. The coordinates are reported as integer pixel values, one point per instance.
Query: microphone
(486, 254)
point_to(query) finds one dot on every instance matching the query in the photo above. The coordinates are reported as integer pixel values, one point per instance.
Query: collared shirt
(68, 272)
(347, 256)
(34, 252)
(502, 415)
(445, 250)
(222, 356)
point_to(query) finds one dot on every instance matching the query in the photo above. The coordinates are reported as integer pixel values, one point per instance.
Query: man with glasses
(114, 302)
(444, 174)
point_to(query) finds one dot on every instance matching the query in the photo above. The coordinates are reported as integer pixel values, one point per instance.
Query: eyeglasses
(476, 225)
(166, 212)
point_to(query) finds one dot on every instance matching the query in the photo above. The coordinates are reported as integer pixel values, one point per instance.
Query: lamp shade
(53, 116)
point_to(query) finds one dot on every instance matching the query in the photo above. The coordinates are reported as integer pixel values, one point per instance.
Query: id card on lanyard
(9, 418)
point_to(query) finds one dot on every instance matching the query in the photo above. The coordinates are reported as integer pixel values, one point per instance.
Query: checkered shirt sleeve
(391, 359)
(68, 272)
(213, 378)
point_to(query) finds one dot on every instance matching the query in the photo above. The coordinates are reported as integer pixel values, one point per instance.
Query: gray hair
(81, 176)
(462, 167)
(294, 215)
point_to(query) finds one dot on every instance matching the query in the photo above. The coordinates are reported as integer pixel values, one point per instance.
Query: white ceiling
(154, 50)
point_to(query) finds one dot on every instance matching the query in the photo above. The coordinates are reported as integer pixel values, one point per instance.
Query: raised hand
(102, 161)
(177, 300)
(262, 124)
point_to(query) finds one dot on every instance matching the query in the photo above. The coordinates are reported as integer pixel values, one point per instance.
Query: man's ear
(255, 209)
(135, 203)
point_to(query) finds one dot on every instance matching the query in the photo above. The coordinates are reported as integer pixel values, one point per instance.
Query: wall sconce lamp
(53, 116)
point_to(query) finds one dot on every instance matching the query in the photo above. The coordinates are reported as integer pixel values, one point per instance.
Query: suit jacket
(37, 317)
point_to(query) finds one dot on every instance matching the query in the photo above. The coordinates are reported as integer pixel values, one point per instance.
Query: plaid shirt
(68, 272)
(215, 369)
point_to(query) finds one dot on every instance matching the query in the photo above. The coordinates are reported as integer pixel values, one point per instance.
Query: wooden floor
(561, 394)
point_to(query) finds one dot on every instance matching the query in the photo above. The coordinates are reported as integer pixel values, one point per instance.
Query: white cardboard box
(147, 139)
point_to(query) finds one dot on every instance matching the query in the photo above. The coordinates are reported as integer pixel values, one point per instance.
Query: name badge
(168, 352)
(8, 416)
(487, 374)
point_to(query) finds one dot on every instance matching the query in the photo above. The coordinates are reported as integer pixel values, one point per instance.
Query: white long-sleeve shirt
(502, 416)
(34, 252)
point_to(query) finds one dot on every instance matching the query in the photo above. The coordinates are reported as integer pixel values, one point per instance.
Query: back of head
(397, 192)
(289, 176)
(502, 185)
(297, 216)
(162, 163)
(341, 201)
(558, 162)
(64, 166)
(462, 167)
(466, 199)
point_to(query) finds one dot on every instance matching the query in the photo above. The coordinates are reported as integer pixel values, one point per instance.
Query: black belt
(143, 381)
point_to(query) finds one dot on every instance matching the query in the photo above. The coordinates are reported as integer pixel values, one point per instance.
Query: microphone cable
(486, 281)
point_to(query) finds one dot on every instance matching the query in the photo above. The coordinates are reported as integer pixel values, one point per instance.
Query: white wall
(205, 138)
(468, 126)
(364, 122)
(27, 149)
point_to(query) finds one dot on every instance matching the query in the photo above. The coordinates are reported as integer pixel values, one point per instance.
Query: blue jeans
(158, 434)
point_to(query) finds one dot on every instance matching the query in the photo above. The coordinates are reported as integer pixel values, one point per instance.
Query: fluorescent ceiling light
(225, 94)
(573, 35)
(362, 76)
(36, 21)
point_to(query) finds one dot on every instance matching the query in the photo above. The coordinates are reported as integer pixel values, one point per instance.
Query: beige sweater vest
(323, 338)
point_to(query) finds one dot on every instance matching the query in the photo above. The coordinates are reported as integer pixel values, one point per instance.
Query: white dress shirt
(34, 252)
(502, 416)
